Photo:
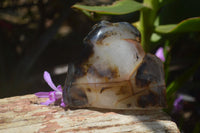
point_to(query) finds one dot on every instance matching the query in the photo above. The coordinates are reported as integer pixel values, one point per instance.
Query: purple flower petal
(42, 94)
(59, 87)
(52, 96)
(178, 104)
(49, 81)
(47, 102)
(62, 103)
(160, 54)
(178, 100)
(58, 95)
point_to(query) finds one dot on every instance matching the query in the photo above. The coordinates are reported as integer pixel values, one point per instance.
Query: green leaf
(117, 8)
(155, 37)
(187, 25)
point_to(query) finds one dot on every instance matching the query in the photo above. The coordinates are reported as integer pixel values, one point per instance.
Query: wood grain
(24, 114)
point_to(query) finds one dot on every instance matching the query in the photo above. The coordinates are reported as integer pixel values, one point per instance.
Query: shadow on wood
(24, 114)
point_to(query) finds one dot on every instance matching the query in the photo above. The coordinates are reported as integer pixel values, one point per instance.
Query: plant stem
(178, 82)
(146, 23)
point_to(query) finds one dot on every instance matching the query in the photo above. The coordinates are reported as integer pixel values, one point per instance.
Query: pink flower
(178, 104)
(52, 95)
(160, 54)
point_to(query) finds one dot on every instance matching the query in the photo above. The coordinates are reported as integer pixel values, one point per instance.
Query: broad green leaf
(155, 37)
(117, 8)
(187, 25)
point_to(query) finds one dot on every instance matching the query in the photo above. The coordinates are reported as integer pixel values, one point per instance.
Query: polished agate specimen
(114, 72)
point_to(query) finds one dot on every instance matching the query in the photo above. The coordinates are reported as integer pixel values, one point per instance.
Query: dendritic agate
(114, 71)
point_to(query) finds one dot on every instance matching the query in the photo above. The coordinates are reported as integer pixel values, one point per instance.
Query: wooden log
(24, 114)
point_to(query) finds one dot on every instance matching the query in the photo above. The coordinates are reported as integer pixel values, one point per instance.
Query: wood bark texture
(24, 114)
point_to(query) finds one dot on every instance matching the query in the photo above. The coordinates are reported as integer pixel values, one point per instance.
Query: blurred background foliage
(39, 35)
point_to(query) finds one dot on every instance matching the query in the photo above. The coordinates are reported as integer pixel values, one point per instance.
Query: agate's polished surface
(114, 72)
